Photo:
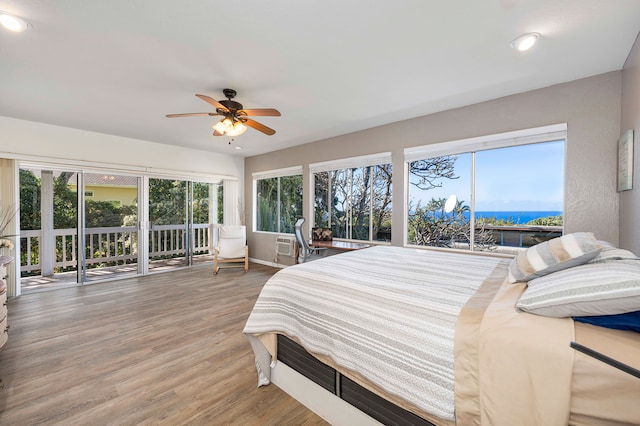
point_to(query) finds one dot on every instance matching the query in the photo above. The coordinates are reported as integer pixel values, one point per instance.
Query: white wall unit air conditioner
(285, 245)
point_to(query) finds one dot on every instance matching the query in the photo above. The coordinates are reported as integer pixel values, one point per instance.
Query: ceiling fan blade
(216, 133)
(192, 114)
(260, 112)
(259, 127)
(213, 102)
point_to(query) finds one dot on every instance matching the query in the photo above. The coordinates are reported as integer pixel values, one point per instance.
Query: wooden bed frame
(331, 395)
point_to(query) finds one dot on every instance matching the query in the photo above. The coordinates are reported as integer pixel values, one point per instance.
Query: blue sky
(522, 178)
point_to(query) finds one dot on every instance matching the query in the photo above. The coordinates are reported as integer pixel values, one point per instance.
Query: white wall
(19, 138)
(590, 107)
(44, 143)
(630, 119)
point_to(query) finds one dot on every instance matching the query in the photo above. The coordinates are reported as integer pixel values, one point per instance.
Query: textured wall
(590, 107)
(630, 119)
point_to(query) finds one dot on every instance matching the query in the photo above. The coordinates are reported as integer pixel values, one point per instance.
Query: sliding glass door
(168, 230)
(48, 228)
(79, 227)
(206, 209)
(110, 225)
(180, 216)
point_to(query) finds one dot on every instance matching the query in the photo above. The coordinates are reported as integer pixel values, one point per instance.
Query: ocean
(517, 217)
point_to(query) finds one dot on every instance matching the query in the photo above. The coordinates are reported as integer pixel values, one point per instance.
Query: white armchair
(230, 246)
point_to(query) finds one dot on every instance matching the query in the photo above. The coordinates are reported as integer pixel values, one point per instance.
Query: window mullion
(350, 206)
(330, 199)
(371, 180)
(472, 208)
(278, 204)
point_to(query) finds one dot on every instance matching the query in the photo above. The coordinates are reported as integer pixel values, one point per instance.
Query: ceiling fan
(236, 119)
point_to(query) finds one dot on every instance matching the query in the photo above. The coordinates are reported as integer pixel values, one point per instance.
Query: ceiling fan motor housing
(232, 106)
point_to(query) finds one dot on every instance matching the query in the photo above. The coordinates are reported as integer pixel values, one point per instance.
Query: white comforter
(387, 313)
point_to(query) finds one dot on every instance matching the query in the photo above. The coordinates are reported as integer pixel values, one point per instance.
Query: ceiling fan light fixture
(220, 127)
(13, 23)
(237, 129)
(525, 41)
(230, 128)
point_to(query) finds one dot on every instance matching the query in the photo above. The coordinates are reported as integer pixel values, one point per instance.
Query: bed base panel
(297, 358)
(325, 404)
(375, 407)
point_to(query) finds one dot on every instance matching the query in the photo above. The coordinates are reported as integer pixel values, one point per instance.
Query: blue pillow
(628, 321)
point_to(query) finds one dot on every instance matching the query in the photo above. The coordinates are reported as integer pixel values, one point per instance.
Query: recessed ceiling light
(13, 23)
(238, 147)
(525, 41)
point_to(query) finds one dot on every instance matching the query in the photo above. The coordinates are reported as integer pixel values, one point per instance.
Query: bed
(443, 337)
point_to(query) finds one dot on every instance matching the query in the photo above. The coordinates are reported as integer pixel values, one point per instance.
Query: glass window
(290, 202)
(355, 202)
(278, 203)
(381, 202)
(339, 196)
(267, 198)
(505, 197)
(432, 181)
(519, 193)
(321, 200)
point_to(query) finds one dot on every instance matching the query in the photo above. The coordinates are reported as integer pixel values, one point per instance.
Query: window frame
(269, 174)
(550, 133)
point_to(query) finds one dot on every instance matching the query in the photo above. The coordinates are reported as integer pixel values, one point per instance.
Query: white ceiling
(331, 67)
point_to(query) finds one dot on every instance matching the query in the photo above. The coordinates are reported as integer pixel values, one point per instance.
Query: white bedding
(387, 313)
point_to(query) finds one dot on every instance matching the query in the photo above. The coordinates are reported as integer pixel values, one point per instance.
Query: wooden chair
(230, 246)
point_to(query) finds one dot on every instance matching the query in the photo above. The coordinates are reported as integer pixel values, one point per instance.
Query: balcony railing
(523, 236)
(111, 245)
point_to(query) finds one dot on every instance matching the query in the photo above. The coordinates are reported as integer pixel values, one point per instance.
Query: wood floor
(161, 349)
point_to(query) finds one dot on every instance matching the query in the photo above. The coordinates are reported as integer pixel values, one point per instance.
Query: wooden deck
(160, 349)
(69, 279)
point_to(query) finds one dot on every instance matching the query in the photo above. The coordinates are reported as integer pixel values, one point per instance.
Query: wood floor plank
(164, 349)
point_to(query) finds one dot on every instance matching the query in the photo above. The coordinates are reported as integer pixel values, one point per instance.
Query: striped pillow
(554, 255)
(607, 288)
(609, 254)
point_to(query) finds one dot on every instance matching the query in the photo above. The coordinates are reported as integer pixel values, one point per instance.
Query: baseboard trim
(264, 262)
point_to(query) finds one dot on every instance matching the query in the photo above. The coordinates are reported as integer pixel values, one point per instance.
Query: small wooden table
(339, 245)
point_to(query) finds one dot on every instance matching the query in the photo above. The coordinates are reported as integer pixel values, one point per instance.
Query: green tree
(290, 202)
(167, 201)
(267, 209)
(65, 202)
(382, 197)
(547, 221)
(220, 195)
(200, 203)
(431, 225)
(494, 221)
(29, 200)
(321, 198)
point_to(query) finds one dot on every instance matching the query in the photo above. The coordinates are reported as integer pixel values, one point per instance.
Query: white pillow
(554, 255)
(604, 288)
